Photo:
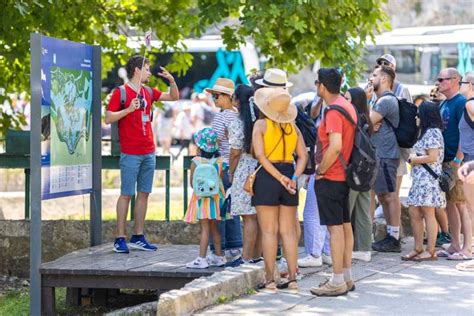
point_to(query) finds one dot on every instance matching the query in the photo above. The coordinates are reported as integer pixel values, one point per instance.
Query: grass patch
(15, 303)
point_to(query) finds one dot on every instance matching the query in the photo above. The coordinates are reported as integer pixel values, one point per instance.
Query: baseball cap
(388, 58)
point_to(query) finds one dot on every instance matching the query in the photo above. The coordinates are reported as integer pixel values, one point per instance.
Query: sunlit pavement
(385, 285)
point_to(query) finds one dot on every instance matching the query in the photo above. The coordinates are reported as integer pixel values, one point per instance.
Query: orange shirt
(335, 122)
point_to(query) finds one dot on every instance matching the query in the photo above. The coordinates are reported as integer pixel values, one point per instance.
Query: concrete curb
(206, 291)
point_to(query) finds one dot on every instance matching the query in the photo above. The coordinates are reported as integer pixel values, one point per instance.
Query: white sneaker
(310, 261)
(326, 259)
(216, 261)
(198, 263)
(282, 266)
(362, 255)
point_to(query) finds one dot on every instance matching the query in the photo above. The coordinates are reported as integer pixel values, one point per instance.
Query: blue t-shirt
(451, 112)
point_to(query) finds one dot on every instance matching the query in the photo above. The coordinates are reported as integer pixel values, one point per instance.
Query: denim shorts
(136, 172)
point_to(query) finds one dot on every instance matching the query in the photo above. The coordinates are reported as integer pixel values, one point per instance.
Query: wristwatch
(457, 160)
(409, 161)
(318, 173)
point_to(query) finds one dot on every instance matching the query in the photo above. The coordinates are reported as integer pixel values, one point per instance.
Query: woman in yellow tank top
(275, 140)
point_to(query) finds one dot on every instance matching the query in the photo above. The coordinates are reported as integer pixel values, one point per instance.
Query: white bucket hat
(274, 77)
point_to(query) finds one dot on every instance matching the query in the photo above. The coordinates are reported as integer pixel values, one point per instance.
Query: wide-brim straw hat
(222, 85)
(274, 77)
(275, 104)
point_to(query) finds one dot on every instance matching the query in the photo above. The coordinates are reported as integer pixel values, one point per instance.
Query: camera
(142, 102)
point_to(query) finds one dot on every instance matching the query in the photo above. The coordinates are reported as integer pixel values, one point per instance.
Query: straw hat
(274, 77)
(222, 85)
(275, 104)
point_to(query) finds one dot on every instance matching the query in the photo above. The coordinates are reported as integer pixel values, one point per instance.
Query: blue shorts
(136, 171)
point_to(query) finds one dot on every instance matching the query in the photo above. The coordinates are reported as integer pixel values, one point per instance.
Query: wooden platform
(100, 269)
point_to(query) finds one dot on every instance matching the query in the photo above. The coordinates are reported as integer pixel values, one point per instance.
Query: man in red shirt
(336, 135)
(137, 145)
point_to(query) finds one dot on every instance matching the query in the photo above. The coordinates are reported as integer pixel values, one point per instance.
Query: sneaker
(329, 289)
(237, 262)
(310, 261)
(120, 245)
(139, 242)
(362, 255)
(233, 254)
(282, 267)
(216, 261)
(326, 259)
(198, 263)
(391, 245)
(443, 238)
(256, 260)
(379, 243)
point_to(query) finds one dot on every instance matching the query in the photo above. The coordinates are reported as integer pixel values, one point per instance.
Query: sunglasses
(442, 79)
(383, 62)
(463, 82)
(215, 96)
(316, 82)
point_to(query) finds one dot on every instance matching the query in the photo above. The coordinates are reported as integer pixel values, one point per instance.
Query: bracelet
(457, 160)
(294, 178)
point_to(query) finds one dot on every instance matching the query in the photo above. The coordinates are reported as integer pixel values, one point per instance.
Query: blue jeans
(231, 231)
(136, 173)
(316, 236)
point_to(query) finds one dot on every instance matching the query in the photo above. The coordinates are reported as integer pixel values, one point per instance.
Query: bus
(421, 52)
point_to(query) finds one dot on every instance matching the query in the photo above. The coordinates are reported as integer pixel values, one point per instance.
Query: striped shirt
(220, 124)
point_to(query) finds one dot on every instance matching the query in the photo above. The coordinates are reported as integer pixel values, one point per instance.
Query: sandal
(432, 256)
(458, 256)
(290, 285)
(411, 255)
(443, 254)
(268, 286)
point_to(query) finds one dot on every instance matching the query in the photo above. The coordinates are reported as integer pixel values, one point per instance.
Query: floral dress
(206, 207)
(241, 200)
(425, 190)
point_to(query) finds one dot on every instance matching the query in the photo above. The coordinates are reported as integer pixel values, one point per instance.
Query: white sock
(347, 274)
(395, 232)
(389, 229)
(337, 279)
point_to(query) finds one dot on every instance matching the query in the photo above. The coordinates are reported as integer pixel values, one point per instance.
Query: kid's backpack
(363, 165)
(307, 128)
(406, 131)
(206, 179)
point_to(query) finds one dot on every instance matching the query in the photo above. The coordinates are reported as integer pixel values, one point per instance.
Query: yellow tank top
(286, 147)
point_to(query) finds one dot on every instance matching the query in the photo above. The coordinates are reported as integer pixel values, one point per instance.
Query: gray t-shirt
(384, 140)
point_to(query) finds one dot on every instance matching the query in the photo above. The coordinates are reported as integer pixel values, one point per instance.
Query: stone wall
(63, 236)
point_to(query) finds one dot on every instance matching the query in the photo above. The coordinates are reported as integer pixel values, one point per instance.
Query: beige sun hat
(274, 77)
(222, 85)
(275, 104)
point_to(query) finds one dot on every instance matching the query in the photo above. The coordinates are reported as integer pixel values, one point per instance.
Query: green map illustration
(71, 102)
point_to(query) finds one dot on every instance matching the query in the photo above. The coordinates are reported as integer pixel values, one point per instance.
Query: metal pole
(167, 194)
(35, 165)
(96, 195)
(27, 193)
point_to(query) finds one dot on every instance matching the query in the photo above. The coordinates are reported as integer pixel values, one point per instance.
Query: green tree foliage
(291, 33)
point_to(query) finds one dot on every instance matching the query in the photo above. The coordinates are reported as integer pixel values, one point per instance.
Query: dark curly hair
(135, 61)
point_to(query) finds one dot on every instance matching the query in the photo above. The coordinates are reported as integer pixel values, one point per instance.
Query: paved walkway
(385, 286)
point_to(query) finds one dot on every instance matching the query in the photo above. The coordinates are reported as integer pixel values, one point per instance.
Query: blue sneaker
(120, 245)
(139, 242)
(237, 262)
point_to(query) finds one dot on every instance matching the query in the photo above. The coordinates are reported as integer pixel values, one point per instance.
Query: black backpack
(307, 128)
(406, 131)
(363, 165)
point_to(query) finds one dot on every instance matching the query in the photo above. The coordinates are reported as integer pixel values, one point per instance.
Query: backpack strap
(150, 92)
(197, 161)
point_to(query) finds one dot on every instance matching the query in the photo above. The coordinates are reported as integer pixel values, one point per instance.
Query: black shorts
(269, 191)
(333, 201)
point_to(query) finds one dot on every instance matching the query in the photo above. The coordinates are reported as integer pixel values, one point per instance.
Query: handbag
(248, 185)
(446, 180)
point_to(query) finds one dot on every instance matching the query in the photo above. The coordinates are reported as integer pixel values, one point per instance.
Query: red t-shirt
(335, 122)
(135, 137)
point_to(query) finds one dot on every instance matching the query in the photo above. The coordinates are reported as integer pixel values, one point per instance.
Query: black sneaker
(391, 245)
(443, 238)
(379, 243)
